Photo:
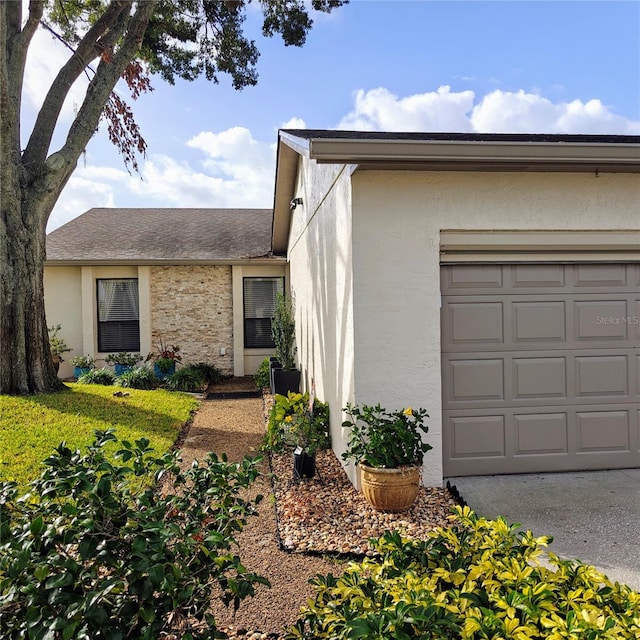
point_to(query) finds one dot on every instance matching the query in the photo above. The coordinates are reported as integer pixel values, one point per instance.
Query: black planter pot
(273, 364)
(304, 465)
(285, 380)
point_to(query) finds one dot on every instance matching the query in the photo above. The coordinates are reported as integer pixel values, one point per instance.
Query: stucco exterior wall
(320, 277)
(397, 220)
(63, 306)
(192, 307)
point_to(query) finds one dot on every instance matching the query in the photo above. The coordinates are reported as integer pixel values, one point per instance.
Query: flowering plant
(165, 355)
(83, 362)
(385, 439)
(123, 358)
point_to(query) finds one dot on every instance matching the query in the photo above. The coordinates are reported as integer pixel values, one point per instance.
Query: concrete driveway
(593, 516)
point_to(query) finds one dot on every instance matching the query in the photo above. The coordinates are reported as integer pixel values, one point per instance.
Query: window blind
(259, 309)
(118, 315)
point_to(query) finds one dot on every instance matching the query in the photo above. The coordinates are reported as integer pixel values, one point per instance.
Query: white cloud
(294, 123)
(497, 112)
(379, 109)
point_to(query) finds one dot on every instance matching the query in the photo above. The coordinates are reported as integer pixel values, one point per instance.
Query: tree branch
(88, 49)
(107, 75)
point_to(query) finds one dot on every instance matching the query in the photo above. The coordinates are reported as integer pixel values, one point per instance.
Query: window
(259, 307)
(118, 315)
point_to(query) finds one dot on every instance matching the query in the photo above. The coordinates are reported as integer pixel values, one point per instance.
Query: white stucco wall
(397, 219)
(320, 277)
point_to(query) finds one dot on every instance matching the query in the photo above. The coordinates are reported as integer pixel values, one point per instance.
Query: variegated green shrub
(479, 579)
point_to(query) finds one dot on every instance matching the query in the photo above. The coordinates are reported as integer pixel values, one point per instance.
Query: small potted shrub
(389, 450)
(82, 365)
(123, 361)
(283, 331)
(296, 424)
(164, 360)
(57, 345)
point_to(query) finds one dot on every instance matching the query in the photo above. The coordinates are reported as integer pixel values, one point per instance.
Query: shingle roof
(162, 235)
(425, 136)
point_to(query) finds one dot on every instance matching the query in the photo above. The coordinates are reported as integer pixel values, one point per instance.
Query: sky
(388, 65)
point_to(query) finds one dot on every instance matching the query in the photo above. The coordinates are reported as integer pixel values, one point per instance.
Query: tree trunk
(26, 365)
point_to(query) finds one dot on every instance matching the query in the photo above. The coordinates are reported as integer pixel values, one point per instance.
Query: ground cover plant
(90, 554)
(478, 579)
(31, 426)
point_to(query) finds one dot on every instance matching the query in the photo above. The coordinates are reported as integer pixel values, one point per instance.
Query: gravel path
(323, 515)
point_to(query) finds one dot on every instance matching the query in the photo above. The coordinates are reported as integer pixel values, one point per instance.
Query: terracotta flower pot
(390, 489)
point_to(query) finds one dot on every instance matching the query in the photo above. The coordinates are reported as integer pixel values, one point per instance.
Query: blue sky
(567, 67)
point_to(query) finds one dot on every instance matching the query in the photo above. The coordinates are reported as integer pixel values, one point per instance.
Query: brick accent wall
(193, 307)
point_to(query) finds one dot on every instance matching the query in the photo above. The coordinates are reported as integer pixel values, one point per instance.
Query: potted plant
(164, 359)
(82, 365)
(389, 450)
(283, 330)
(297, 423)
(57, 345)
(123, 361)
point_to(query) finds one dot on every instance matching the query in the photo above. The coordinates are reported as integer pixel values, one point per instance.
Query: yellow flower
(288, 419)
(408, 411)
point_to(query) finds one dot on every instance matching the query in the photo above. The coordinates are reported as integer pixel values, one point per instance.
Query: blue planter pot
(121, 368)
(80, 371)
(163, 374)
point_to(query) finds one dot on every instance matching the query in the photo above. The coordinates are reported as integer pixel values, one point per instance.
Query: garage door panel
(541, 434)
(475, 323)
(539, 378)
(488, 276)
(551, 382)
(538, 275)
(600, 275)
(477, 436)
(602, 376)
(603, 431)
(601, 320)
(539, 322)
(477, 380)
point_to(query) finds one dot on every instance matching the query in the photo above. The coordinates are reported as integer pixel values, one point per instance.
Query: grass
(31, 426)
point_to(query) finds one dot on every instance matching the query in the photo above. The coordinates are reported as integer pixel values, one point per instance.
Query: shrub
(97, 376)
(185, 379)
(138, 378)
(261, 376)
(123, 358)
(91, 554)
(210, 373)
(477, 579)
(291, 423)
(83, 362)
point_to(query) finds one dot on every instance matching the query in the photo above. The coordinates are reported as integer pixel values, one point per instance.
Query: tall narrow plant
(283, 330)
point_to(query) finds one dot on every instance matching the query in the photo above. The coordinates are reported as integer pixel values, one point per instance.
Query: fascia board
(483, 153)
(290, 148)
(274, 261)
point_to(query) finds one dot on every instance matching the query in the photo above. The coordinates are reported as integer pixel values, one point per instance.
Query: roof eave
(290, 148)
(543, 156)
(81, 262)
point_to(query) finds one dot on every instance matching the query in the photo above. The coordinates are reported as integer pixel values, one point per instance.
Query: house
(202, 279)
(492, 279)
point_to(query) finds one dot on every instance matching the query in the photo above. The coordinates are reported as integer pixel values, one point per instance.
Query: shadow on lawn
(112, 411)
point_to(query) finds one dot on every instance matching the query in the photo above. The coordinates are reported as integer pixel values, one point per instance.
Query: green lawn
(31, 426)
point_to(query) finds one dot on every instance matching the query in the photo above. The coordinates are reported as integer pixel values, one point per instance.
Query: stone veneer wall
(192, 307)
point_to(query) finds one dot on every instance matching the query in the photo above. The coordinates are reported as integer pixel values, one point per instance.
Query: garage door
(541, 367)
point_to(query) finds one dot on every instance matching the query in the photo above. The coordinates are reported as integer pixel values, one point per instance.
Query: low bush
(261, 376)
(186, 379)
(95, 551)
(210, 373)
(479, 579)
(138, 378)
(97, 376)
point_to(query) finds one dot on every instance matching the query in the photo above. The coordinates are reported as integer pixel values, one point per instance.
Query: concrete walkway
(593, 516)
